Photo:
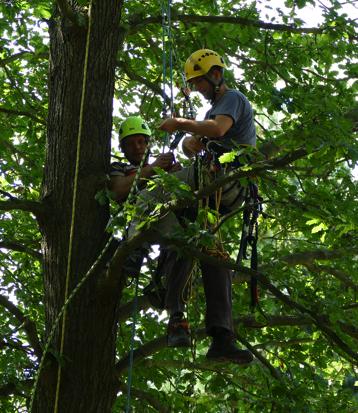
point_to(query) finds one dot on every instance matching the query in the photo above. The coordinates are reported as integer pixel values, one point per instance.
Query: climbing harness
(188, 112)
(251, 211)
(249, 235)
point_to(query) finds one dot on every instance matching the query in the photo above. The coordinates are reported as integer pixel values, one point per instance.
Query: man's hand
(175, 167)
(164, 161)
(170, 125)
(192, 146)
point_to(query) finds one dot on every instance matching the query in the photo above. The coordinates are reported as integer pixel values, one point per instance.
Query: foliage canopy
(302, 82)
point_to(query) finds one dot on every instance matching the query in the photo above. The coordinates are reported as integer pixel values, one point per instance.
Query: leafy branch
(15, 112)
(138, 20)
(145, 396)
(27, 324)
(321, 321)
(17, 246)
(135, 76)
(15, 388)
(22, 54)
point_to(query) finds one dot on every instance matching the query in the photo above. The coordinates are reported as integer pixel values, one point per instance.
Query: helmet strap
(215, 85)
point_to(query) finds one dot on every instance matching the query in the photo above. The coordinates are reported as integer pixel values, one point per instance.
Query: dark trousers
(217, 286)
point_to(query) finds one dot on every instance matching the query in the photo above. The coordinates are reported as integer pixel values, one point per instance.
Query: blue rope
(170, 41)
(167, 39)
(130, 368)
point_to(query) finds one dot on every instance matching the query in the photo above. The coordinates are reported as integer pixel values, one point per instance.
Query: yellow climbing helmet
(133, 125)
(200, 62)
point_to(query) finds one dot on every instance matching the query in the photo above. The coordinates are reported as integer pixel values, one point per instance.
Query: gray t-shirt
(236, 105)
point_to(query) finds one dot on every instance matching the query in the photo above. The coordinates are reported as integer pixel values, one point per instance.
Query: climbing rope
(68, 271)
(167, 43)
(74, 204)
(131, 352)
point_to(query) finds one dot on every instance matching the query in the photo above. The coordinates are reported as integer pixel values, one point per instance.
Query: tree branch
(21, 54)
(155, 345)
(247, 321)
(274, 372)
(145, 396)
(280, 343)
(137, 21)
(9, 389)
(37, 208)
(308, 257)
(258, 169)
(134, 76)
(6, 342)
(340, 275)
(28, 325)
(15, 112)
(16, 246)
(321, 321)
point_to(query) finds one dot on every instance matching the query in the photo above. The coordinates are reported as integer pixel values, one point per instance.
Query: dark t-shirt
(236, 105)
(122, 169)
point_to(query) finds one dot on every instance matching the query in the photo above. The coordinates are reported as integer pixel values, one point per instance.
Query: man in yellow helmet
(229, 122)
(230, 119)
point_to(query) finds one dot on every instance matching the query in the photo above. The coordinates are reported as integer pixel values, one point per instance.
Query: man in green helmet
(229, 123)
(134, 135)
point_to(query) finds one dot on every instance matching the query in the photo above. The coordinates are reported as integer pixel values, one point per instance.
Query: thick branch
(317, 319)
(16, 246)
(6, 342)
(35, 207)
(138, 21)
(246, 321)
(19, 55)
(308, 257)
(28, 325)
(340, 275)
(9, 389)
(15, 112)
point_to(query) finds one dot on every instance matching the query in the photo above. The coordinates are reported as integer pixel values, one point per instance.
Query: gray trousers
(217, 281)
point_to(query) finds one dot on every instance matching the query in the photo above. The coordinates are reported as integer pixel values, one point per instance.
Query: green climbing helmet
(133, 125)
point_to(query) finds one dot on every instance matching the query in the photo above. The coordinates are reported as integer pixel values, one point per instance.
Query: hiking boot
(178, 333)
(223, 348)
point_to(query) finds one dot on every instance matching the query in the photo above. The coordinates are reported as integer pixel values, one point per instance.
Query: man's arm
(121, 185)
(211, 128)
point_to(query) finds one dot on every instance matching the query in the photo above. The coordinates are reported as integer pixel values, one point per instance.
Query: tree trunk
(87, 374)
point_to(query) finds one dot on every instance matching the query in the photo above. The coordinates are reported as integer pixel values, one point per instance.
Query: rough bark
(87, 379)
